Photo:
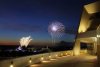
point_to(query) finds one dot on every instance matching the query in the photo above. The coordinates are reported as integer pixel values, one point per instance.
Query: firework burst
(24, 41)
(56, 29)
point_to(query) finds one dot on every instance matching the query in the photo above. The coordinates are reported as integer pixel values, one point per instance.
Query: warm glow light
(35, 65)
(42, 59)
(56, 55)
(66, 53)
(95, 39)
(76, 50)
(84, 26)
(53, 59)
(92, 7)
(30, 61)
(49, 56)
(98, 35)
(61, 54)
(45, 61)
(11, 65)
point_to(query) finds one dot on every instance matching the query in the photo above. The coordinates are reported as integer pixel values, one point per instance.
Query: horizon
(32, 18)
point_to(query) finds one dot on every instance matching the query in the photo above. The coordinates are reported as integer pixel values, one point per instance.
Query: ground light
(11, 65)
(35, 65)
(44, 61)
(53, 58)
(42, 58)
(49, 57)
(98, 35)
(66, 54)
(30, 60)
(56, 56)
(61, 54)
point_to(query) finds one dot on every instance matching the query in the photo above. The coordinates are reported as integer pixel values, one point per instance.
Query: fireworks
(56, 29)
(24, 41)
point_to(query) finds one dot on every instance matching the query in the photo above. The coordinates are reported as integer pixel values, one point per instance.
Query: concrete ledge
(87, 34)
(28, 60)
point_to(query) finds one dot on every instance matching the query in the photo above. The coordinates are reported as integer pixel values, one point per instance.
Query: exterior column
(98, 45)
(95, 48)
(76, 50)
(98, 51)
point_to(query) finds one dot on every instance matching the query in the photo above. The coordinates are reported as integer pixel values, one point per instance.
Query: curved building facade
(89, 29)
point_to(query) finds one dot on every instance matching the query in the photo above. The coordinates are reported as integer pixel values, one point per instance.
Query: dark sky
(20, 18)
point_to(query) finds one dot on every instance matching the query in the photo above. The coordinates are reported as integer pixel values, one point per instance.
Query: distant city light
(19, 48)
(35, 51)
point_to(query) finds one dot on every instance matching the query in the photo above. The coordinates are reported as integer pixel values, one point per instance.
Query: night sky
(21, 18)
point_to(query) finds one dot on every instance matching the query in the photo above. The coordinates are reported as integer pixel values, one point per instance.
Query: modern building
(89, 29)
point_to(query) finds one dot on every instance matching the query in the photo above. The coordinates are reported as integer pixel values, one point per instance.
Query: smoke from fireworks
(24, 41)
(56, 29)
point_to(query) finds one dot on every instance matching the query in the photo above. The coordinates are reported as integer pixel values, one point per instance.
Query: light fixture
(42, 58)
(66, 53)
(61, 54)
(11, 65)
(49, 57)
(30, 60)
(56, 55)
(98, 35)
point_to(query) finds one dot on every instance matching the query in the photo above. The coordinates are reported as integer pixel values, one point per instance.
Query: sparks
(24, 41)
(56, 28)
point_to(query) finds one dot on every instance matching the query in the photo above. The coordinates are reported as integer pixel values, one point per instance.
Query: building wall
(84, 23)
(98, 45)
